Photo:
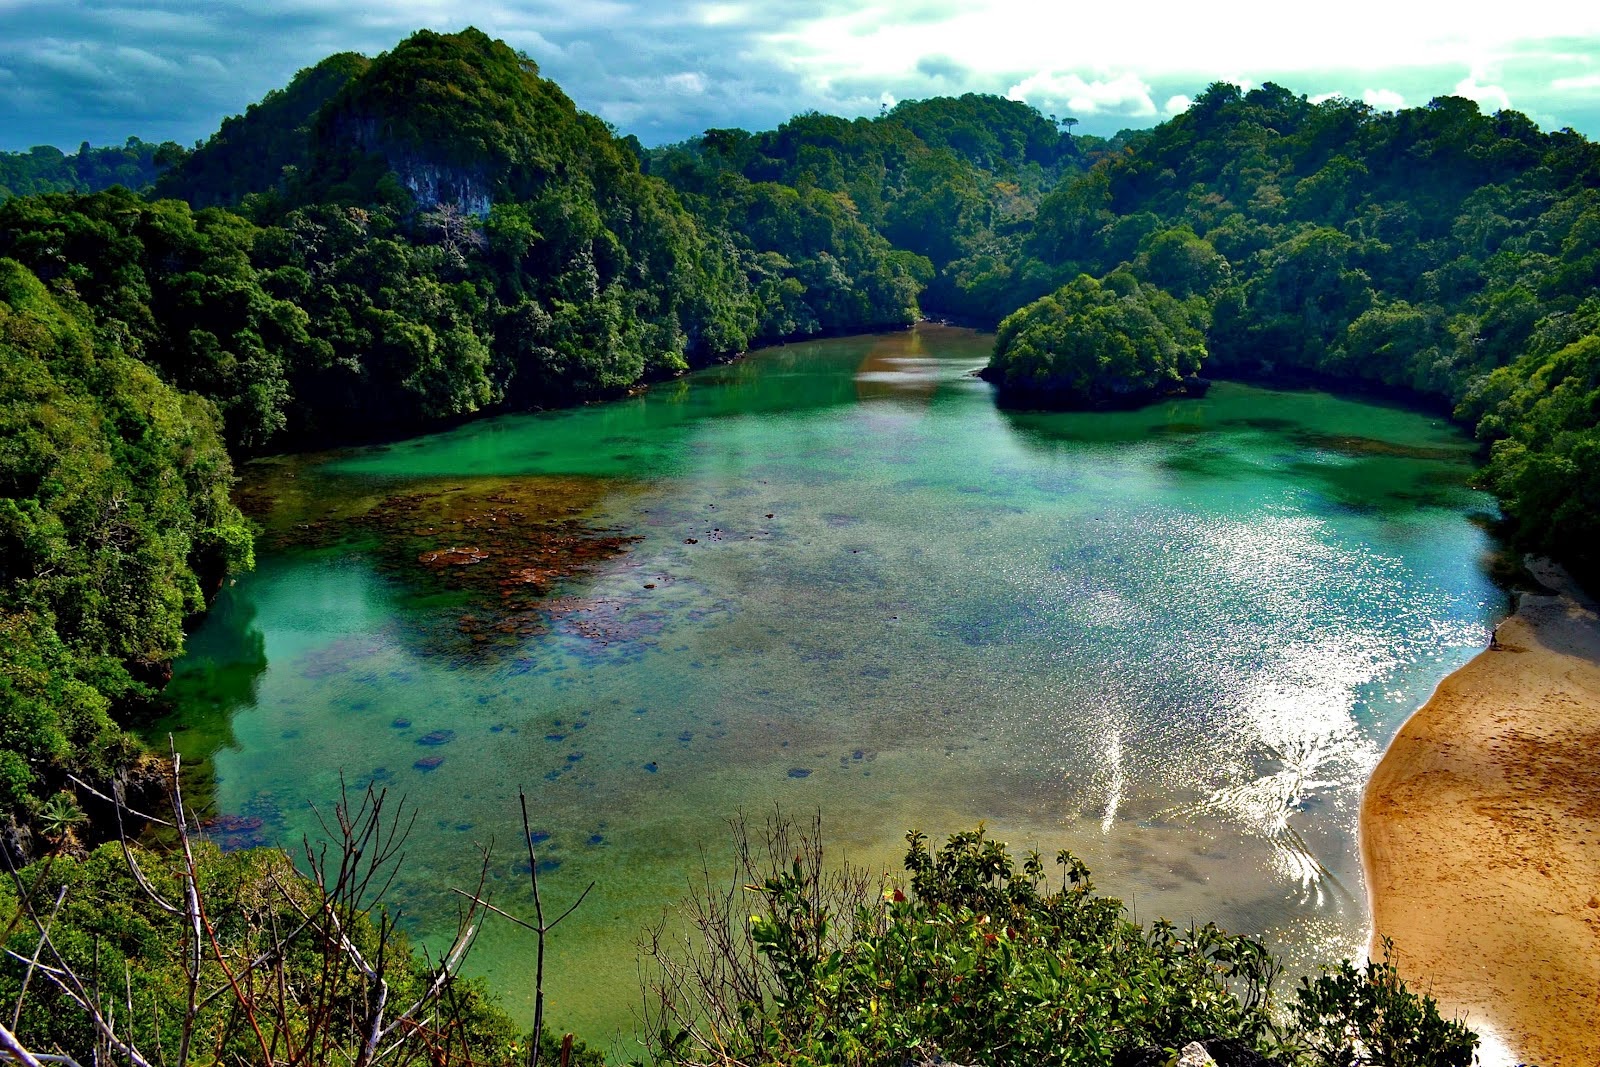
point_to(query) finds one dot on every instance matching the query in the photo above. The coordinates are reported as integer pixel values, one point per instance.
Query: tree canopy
(1095, 344)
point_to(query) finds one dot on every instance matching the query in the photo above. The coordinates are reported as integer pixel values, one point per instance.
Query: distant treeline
(46, 169)
(388, 244)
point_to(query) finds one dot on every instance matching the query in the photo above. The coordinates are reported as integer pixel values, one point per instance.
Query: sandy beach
(1481, 836)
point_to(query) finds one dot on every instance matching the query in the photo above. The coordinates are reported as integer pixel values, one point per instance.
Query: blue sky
(100, 70)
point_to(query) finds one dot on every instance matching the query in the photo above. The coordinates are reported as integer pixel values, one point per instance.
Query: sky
(664, 70)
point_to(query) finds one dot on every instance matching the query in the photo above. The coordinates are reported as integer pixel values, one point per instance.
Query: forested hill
(388, 244)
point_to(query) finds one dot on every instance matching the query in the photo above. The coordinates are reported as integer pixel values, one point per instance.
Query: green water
(1173, 640)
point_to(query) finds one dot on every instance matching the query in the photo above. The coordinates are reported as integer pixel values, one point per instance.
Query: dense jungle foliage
(115, 521)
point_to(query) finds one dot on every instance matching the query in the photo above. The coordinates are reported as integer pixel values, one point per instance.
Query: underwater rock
(454, 556)
(437, 737)
(428, 763)
(799, 772)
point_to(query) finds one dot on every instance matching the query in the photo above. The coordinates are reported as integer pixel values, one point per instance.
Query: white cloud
(1323, 98)
(1177, 104)
(722, 14)
(1383, 99)
(1126, 94)
(1489, 97)
(689, 83)
(1577, 83)
(1244, 37)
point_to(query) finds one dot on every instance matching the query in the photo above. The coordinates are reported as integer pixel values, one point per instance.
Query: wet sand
(1481, 836)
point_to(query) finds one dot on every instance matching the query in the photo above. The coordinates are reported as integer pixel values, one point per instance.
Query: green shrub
(983, 962)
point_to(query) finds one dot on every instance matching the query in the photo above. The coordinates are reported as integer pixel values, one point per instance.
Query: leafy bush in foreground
(984, 963)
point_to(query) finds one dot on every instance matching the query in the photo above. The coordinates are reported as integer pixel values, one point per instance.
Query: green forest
(393, 244)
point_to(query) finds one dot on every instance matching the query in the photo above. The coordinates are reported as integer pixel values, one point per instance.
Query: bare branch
(33, 964)
(119, 805)
(490, 907)
(570, 910)
(14, 1050)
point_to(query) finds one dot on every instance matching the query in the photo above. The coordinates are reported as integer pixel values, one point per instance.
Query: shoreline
(1480, 836)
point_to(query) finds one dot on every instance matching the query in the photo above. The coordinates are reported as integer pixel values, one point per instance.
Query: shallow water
(833, 575)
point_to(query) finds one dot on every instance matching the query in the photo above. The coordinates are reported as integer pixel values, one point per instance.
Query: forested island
(390, 245)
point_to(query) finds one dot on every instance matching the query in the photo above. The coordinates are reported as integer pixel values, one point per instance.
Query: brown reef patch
(510, 544)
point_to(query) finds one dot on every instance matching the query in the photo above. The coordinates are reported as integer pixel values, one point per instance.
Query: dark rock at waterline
(1231, 1052)
(1111, 395)
(1226, 1052)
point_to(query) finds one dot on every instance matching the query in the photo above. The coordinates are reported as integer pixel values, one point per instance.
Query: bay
(834, 576)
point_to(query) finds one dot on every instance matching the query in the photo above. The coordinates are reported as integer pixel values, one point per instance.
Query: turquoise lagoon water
(1174, 641)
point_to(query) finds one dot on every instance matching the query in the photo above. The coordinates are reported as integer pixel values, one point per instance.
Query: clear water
(1172, 640)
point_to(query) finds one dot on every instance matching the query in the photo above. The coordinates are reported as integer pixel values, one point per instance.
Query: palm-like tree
(59, 816)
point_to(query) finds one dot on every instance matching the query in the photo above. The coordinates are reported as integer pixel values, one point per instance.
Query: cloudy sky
(99, 70)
